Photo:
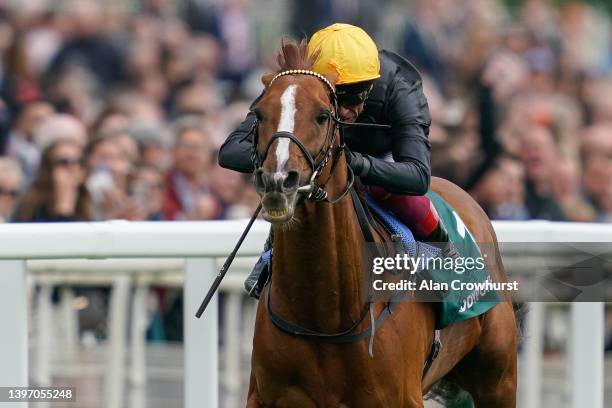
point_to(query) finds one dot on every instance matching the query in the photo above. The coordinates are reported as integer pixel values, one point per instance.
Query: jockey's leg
(260, 273)
(417, 212)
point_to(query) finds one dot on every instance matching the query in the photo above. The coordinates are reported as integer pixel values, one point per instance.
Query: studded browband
(304, 72)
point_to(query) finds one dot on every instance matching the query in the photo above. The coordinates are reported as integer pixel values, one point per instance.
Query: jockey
(375, 87)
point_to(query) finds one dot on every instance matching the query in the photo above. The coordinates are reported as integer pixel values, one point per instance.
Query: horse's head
(296, 133)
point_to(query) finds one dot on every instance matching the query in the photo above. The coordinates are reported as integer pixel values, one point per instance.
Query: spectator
(567, 190)
(19, 85)
(86, 46)
(501, 191)
(597, 179)
(540, 157)
(21, 144)
(196, 98)
(232, 25)
(146, 189)
(126, 143)
(187, 193)
(58, 191)
(5, 127)
(110, 119)
(231, 190)
(419, 43)
(109, 168)
(11, 181)
(154, 144)
(58, 127)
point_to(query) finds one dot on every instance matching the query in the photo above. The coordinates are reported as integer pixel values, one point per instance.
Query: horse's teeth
(277, 213)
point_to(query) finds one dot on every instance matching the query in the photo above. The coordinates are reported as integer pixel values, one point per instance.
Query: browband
(333, 92)
(305, 72)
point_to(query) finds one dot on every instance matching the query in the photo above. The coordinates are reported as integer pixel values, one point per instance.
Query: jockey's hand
(359, 164)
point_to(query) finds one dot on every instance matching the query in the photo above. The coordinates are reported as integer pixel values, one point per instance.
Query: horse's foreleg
(489, 371)
(253, 400)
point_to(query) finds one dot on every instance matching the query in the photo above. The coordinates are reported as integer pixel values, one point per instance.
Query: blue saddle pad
(393, 224)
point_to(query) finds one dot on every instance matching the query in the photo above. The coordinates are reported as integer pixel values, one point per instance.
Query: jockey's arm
(235, 153)
(410, 172)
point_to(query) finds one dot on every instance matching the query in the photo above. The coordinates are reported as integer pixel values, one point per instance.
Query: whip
(226, 265)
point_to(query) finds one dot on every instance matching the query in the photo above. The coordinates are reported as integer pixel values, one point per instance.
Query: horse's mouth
(279, 216)
(278, 208)
(277, 213)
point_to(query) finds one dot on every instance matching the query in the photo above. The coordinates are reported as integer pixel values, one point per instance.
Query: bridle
(335, 127)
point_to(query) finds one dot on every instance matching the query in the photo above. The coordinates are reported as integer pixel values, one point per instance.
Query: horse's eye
(322, 117)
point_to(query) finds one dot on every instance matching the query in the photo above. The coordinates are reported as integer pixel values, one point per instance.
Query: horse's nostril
(258, 180)
(292, 180)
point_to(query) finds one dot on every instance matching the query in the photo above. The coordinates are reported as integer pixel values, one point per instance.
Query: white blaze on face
(286, 124)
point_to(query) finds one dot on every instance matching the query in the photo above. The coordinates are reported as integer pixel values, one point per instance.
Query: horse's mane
(294, 55)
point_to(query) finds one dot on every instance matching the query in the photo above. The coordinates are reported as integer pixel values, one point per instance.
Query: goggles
(353, 95)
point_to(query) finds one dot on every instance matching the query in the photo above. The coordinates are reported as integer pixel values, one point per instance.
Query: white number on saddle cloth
(461, 228)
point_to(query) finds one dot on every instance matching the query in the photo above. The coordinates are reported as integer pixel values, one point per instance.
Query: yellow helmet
(346, 50)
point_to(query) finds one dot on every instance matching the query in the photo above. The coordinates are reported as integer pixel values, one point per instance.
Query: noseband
(335, 127)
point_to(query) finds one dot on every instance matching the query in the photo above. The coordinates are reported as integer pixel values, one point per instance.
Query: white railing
(199, 243)
(586, 343)
(138, 275)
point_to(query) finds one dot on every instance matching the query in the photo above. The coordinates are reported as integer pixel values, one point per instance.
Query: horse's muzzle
(280, 182)
(278, 193)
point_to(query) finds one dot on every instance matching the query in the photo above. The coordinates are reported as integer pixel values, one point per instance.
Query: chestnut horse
(317, 275)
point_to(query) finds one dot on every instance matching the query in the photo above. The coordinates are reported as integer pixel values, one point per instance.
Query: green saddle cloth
(460, 304)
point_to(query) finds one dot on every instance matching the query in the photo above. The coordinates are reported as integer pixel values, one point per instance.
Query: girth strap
(347, 336)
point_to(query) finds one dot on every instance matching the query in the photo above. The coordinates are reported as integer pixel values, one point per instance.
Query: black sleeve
(410, 173)
(235, 153)
(489, 144)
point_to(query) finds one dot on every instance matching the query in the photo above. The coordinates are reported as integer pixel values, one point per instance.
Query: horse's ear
(266, 79)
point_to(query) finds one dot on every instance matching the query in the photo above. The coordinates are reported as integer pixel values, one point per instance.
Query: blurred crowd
(107, 112)
(522, 116)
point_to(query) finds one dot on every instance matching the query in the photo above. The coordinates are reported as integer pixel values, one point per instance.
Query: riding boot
(260, 274)
(440, 236)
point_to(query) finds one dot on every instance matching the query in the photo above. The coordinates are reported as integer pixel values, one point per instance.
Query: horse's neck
(317, 277)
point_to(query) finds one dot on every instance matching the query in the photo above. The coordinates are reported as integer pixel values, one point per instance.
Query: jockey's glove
(359, 163)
